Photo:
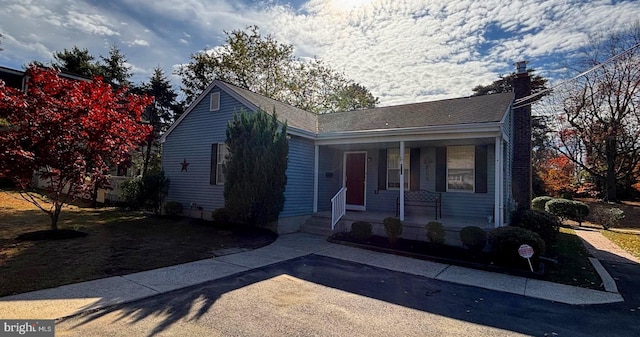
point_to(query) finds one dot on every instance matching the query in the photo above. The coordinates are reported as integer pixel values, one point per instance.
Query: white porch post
(401, 180)
(497, 209)
(316, 163)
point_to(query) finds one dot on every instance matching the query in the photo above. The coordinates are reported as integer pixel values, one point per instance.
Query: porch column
(401, 180)
(497, 209)
(316, 163)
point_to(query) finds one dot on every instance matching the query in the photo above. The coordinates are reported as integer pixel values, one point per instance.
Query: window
(218, 157)
(214, 103)
(393, 168)
(222, 154)
(460, 168)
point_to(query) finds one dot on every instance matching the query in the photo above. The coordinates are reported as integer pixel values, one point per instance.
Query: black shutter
(382, 169)
(481, 169)
(214, 164)
(414, 170)
(441, 169)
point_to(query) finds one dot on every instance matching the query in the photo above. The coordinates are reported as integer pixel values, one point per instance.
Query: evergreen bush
(173, 208)
(436, 233)
(608, 217)
(393, 228)
(255, 167)
(505, 242)
(543, 223)
(538, 203)
(568, 209)
(361, 230)
(474, 238)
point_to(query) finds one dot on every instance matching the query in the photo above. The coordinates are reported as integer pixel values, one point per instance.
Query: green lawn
(574, 267)
(626, 241)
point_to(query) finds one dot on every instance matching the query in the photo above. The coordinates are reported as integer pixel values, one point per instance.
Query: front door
(355, 164)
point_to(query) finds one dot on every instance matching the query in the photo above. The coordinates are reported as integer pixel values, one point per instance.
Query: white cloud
(139, 42)
(403, 51)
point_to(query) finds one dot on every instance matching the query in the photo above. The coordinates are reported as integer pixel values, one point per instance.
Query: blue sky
(403, 51)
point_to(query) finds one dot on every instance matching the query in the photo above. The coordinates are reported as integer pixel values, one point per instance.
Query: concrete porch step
(319, 225)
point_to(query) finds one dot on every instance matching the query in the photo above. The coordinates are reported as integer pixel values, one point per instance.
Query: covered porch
(367, 180)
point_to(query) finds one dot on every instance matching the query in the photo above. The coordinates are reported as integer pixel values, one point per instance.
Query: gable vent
(214, 103)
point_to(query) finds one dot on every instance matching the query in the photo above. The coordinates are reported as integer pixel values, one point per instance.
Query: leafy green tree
(255, 167)
(159, 114)
(355, 97)
(505, 84)
(268, 67)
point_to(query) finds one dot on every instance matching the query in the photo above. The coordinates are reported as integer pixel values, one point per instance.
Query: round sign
(525, 251)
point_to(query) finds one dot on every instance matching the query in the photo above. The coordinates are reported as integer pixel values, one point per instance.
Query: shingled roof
(467, 110)
(295, 117)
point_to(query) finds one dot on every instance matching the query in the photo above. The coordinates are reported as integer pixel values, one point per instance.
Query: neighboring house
(462, 148)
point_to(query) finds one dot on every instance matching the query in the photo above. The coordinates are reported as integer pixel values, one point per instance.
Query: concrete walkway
(77, 298)
(602, 248)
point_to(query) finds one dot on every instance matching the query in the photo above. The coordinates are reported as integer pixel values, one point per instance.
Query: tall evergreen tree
(255, 168)
(76, 61)
(160, 113)
(114, 68)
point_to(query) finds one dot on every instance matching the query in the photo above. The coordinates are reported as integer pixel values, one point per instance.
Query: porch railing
(338, 206)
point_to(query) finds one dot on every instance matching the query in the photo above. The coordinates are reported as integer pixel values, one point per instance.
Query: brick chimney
(521, 170)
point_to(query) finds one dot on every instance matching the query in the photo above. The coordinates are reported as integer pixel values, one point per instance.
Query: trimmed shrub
(361, 230)
(173, 208)
(131, 191)
(566, 195)
(393, 228)
(474, 238)
(436, 233)
(608, 217)
(221, 216)
(538, 203)
(568, 209)
(505, 242)
(543, 223)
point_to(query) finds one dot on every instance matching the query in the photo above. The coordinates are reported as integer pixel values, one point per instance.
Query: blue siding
(329, 176)
(191, 140)
(458, 204)
(473, 204)
(299, 191)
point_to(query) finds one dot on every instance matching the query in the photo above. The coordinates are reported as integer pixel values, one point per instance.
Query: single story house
(365, 162)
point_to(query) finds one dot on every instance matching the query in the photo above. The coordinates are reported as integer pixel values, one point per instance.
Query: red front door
(355, 174)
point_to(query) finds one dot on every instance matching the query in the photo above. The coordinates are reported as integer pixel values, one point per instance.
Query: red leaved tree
(558, 175)
(68, 132)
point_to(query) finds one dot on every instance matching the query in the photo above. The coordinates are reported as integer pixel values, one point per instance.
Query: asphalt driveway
(321, 296)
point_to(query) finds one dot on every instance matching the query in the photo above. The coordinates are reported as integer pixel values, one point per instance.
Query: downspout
(316, 164)
(497, 207)
(401, 180)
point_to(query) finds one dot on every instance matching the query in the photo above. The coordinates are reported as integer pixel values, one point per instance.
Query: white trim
(251, 107)
(344, 179)
(316, 164)
(391, 138)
